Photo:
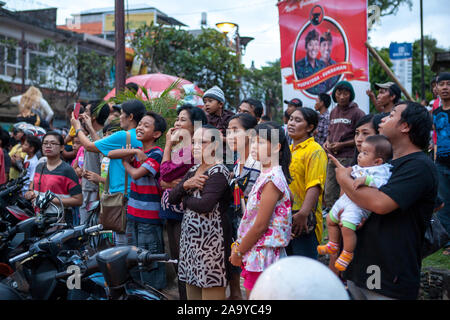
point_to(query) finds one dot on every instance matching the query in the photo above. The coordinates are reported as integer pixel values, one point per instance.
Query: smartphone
(76, 110)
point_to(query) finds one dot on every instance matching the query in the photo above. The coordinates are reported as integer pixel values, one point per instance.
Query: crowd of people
(236, 192)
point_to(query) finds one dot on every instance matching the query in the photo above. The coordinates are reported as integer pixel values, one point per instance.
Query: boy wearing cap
(292, 105)
(214, 100)
(442, 126)
(340, 141)
(217, 116)
(388, 95)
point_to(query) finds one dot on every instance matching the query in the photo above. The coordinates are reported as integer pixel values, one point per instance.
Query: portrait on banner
(322, 43)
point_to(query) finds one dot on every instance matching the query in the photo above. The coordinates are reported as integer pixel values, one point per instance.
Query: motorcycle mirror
(66, 256)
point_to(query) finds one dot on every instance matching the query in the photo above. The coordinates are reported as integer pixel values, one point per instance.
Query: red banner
(322, 43)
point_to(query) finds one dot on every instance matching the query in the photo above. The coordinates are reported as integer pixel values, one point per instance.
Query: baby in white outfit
(372, 171)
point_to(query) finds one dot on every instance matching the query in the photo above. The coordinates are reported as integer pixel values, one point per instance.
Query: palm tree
(165, 104)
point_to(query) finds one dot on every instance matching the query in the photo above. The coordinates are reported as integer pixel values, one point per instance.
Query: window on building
(11, 60)
(2, 59)
(36, 70)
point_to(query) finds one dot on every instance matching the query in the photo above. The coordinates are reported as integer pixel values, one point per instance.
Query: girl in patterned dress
(265, 228)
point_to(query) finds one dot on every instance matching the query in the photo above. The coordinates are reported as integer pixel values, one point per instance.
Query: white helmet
(298, 278)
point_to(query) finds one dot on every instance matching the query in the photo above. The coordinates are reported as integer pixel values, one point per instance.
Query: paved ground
(172, 290)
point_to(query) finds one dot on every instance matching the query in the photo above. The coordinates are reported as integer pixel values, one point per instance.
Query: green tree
(388, 7)
(70, 71)
(159, 47)
(60, 65)
(92, 73)
(165, 104)
(265, 84)
(204, 59)
(377, 74)
(430, 46)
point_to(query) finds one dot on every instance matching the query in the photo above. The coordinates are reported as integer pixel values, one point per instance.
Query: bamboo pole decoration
(388, 70)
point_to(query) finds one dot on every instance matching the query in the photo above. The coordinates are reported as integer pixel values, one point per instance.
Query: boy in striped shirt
(144, 227)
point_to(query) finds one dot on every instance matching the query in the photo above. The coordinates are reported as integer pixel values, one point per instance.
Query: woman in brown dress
(205, 231)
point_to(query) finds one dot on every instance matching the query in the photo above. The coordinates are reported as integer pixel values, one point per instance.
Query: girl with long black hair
(245, 172)
(265, 228)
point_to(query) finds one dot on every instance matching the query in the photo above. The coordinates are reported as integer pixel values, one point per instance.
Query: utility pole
(23, 51)
(422, 75)
(239, 55)
(119, 44)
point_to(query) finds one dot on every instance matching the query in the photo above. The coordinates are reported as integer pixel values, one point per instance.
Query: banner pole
(388, 70)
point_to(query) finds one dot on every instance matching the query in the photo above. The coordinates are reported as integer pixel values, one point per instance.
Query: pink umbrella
(156, 83)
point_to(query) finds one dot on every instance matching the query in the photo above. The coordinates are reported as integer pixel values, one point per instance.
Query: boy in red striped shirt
(144, 227)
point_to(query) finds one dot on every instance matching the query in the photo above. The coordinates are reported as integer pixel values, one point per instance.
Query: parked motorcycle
(36, 269)
(115, 265)
(13, 207)
(17, 238)
(104, 239)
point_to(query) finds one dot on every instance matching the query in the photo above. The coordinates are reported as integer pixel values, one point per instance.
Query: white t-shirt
(30, 165)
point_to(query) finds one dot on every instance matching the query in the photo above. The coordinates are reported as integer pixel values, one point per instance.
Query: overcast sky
(259, 19)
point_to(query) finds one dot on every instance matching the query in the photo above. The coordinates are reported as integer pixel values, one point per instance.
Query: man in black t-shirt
(387, 259)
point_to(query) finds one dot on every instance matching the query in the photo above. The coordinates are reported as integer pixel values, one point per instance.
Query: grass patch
(437, 260)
